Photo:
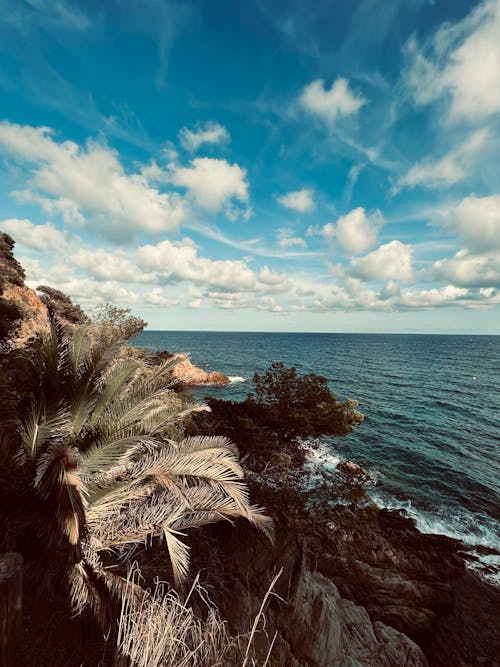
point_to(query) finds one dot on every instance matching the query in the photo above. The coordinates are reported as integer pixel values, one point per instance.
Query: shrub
(116, 324)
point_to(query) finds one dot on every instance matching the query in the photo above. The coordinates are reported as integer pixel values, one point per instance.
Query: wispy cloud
(460, 62)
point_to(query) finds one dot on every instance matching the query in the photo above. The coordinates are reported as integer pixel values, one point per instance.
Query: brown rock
(192, 375)
(34, 313)
(218, 378)
(352, 469)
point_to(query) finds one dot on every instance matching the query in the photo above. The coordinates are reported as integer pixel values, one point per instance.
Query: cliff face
(23, 313)
(34, 314)
(359, 588)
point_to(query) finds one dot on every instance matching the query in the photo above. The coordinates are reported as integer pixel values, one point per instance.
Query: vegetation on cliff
(104, 461)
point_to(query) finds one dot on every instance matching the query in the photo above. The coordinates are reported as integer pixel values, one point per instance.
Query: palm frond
(103, 455)
(162, 373)
(178, 553)
(202, 442)
(57, 476)
(115, 381)
(39, 428)
(216, 464)
(79, 346)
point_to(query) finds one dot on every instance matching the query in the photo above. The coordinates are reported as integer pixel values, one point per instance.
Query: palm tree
(102, 453)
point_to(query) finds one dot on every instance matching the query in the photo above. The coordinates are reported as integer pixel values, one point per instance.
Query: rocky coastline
(359, 586)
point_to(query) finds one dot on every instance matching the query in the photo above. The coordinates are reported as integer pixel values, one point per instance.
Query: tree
(271, 425)
(116, 324)
(100, 464)
(299, 405)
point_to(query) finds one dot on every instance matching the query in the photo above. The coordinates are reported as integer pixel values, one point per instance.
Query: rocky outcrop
(11, 272)
(314, 625)
(191, 375)
(359, 588)
(34, 317)
(351, 469)
(326, 630)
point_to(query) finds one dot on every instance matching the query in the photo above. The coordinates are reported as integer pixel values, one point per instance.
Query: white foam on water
(320, 455)
(459, 525)
(233, 379)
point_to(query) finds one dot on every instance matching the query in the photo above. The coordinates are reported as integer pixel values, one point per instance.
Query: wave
(236, 378)
(320, 455)
(468, 528)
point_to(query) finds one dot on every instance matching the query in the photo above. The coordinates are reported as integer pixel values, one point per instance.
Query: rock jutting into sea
(191, 375)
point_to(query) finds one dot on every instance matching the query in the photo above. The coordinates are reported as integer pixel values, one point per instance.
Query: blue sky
(259, 165)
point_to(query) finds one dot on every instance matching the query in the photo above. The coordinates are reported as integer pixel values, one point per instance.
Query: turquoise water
(431, 435)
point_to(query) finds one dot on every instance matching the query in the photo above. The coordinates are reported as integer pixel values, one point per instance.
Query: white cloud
(340, 100)
(299, 200)
(356, 231)
(461, 61)
(446, 171)
(470, 270)
(89, 184)
(477, 221)
(207, 133)
(436, 297)
(156, 297)
(179, 260)
(212, 182)
(292, 242)
(37, 237)
(105, 265)
(287, 240)
(391, 261)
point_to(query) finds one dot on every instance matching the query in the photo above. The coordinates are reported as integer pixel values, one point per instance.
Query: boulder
(191, 375)
(352, 469)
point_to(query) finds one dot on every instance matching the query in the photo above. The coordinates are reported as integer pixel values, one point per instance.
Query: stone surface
(361, 588)
(315, 625)
(352, 469)
(192, 375)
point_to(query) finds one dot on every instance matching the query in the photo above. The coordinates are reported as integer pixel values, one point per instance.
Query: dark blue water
(431, 435)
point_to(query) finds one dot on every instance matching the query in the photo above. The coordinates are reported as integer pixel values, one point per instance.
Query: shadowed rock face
(361, 588)
(315, 625)
(10, 269)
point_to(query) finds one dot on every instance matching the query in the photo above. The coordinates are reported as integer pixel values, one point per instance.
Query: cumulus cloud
(179, 260)
(37, 237)
(470, 270)
(447, 295)
(89, 184)
(330, 104)
(477, 221)
(298, 200)
(105, 265)
(461, 61)
(207, 133)
(156, 297)
(391, 261)
(212, 182)
(448, 170)
(356, 231)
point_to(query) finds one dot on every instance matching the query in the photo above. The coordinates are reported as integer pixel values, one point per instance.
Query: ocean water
(431, 435)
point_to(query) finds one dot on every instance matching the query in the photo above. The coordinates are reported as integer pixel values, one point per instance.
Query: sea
(431, 435)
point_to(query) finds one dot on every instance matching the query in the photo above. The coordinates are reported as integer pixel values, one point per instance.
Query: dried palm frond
(102, 448)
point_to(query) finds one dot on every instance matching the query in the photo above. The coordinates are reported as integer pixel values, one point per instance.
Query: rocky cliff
(359, 588)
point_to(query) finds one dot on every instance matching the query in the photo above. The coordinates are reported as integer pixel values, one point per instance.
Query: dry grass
(164, 630)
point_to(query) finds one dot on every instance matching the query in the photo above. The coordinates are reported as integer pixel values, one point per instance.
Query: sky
(264, 165)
